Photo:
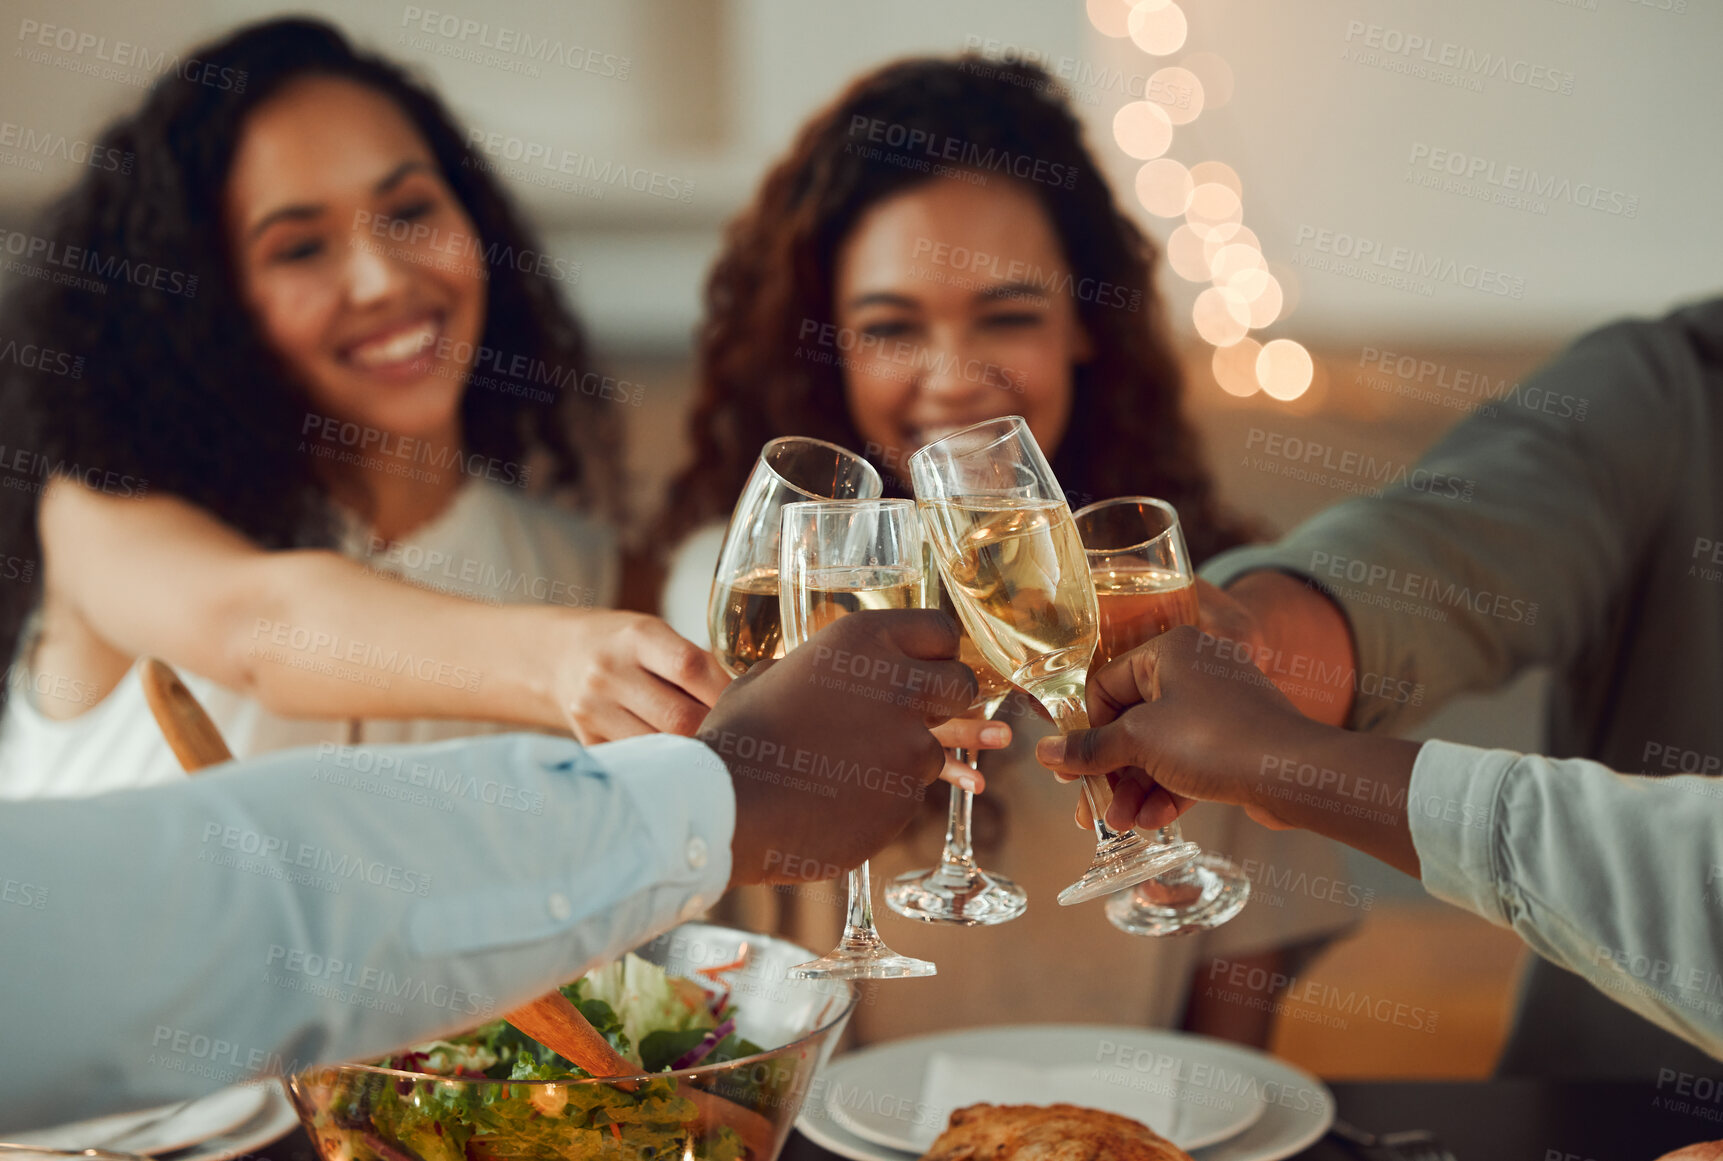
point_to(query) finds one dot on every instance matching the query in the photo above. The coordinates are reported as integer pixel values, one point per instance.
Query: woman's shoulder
(501, 544)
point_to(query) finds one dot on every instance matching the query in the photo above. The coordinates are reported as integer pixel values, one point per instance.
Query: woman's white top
(688, 584)
(493, 544)
(1300, 895)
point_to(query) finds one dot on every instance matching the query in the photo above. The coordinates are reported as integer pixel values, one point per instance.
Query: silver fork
(1406, 1145)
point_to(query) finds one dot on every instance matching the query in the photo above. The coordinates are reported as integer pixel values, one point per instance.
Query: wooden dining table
(1491, 1120)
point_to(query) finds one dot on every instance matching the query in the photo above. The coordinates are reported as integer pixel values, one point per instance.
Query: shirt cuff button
(559, 907)
(697, 852)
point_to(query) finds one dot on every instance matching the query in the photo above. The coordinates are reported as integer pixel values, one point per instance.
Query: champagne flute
(1144, 586)
(1012, 561)
(839, 557)
(742, 614)
(958, 891)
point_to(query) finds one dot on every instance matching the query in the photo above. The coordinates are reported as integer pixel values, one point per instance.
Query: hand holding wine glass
(837, 558)
(1177, 716)
(958, 891)
(620, 675)
(1144, 586)
(783, 827)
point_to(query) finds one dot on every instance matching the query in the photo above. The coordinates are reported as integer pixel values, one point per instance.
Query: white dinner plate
(273, 1121)
(1289, 1108)
(156, 1130)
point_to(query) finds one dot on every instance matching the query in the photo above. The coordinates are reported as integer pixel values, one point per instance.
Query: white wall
(1325, 142)
(715, 88)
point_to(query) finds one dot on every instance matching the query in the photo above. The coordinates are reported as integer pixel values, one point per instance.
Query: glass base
(860, 958)
(1125, 861)
(1203, 896)
(962, 896)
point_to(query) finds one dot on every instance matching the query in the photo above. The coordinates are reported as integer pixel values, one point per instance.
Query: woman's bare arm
(312, 634)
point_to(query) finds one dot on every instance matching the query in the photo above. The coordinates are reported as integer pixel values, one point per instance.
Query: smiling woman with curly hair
(319, 346)
(777, 336)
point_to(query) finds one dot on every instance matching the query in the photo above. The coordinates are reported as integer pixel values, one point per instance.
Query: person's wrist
(556, 639)
(1283, 770)
(1304, 641)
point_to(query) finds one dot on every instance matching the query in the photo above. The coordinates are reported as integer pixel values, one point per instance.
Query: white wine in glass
(826, 594)
(840, 557)
(1018, 566)
(746, 627)
(742, 614)
(1012, 559)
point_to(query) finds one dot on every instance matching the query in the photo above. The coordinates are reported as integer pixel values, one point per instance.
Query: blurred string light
(1212, 244)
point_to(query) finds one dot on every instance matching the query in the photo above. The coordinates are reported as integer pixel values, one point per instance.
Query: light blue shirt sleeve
(1616, 877)
(331, 904)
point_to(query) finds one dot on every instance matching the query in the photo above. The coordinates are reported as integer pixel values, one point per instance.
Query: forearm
(1503, 835)
(325, 637)
(1305, 644)
(315, 919)
(1346, 786)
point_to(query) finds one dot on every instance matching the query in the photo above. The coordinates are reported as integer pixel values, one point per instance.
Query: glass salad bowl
(738, 1110)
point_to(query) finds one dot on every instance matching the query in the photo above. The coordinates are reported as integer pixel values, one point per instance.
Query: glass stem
(858, 918)
(1069, 714)
(959, 855)
(1185, 872)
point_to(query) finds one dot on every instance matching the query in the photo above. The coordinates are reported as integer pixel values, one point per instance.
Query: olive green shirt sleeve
(1513, 537)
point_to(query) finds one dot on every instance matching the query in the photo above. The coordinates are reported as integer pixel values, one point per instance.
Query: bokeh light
(1262, 291)
(1214, 208)
(1212, 244)
(1235, 368)
(1233, 259)
(1217, 173)
(1158, 27)
(1142, 130)
(1185, 255)
(1221, 316)
(1219, 238)
(1110, 17)
(1179, 92)
(1284, 369)
(1164, 187)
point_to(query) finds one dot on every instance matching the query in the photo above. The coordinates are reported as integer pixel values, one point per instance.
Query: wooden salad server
(552, 1019)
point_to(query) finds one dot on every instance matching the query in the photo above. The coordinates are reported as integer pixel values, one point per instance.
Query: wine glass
(1011, 559)
(839, 557)
(742, 614)
(1144, 586)
(958, 891)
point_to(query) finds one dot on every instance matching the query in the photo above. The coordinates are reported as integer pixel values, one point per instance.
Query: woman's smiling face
(943, 283)
(355, 258)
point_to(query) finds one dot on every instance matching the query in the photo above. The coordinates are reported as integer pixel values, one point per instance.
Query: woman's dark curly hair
(775, 276)
(178, 391)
